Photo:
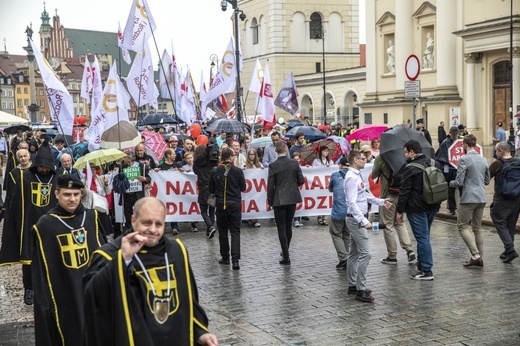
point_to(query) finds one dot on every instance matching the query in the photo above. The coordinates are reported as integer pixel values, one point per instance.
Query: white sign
(412, 67)
(412, 89)
(454, 116)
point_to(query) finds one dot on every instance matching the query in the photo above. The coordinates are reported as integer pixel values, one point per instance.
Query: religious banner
(179, 193)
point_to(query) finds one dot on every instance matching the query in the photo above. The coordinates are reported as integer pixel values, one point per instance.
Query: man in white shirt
(240, 159)
(358, 197)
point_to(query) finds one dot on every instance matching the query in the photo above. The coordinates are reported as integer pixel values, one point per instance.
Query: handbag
(99, 203)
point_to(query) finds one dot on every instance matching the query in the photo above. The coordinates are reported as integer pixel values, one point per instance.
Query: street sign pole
(412, 87)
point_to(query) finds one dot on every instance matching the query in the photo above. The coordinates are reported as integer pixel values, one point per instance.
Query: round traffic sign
(412, 67)
(456, 152)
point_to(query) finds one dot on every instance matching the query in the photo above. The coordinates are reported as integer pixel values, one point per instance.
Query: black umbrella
(310, 132)
(392, 144)
(12, 130)
(158, 118)
(227, 126)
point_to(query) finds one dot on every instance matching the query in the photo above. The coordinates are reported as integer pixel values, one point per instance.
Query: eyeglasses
(361, 158)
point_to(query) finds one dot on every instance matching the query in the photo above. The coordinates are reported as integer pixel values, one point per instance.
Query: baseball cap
(344, 161)
(365, 148)
(420, 121)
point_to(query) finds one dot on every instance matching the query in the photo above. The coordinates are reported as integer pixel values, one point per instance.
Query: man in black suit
(66, 166)
(285, 175)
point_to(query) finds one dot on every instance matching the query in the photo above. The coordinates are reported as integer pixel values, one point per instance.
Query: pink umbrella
(155, 142)
(367, 132)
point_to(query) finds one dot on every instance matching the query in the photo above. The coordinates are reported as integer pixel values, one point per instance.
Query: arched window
(502, 75)
(315, 28)
(254, 30)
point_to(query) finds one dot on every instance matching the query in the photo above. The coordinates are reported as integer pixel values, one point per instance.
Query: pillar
(473, 94)
(403, 39)
(445, 43)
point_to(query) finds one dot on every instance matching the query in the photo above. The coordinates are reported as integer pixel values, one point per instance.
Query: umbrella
(121, 136)
(180, 136)
(260, 142)
(342, 142)
(7, 119)
(12, 130)
(99, 157)
(311, 133)
(293, 123)
(157, 118)
(392, 143)
(155, 142)
(367, 132)
(311, 151)
(227, 126)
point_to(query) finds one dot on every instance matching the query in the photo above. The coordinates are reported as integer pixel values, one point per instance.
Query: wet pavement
(265, 303)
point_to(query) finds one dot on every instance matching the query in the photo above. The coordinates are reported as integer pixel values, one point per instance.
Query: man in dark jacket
(228, 182)
(426, 133)
(450, 172)
(441, 133)
(284, 178)
(420, 215)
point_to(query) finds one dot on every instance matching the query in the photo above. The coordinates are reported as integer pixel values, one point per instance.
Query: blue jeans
(421, 224)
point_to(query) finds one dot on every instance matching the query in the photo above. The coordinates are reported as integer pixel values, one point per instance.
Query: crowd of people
(71, 250)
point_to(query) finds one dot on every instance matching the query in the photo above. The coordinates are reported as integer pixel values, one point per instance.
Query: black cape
(60, 259)
(119, 301)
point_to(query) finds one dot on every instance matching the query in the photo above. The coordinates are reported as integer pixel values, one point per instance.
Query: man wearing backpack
(472, 176)
(505, 209)
(390, 191)
(419, 213)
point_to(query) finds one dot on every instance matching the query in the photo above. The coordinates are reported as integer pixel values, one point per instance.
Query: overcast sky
(198, 28)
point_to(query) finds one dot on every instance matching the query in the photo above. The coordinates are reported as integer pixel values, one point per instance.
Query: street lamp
(241, 14)
(214, 63)
(321, 35)
(511, 128)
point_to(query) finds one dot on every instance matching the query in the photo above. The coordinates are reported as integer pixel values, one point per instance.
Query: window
(19, 102)
(26, 102)
(254, 30)
(4, 105)
(315, 26)
(41, 91)
(11, 105)
(20, 78)
(2, 80)
(25, 90)
(42, 104)
(368, 118)
(385, 118)
(2, 92)
(18, 90)
(20, 114)
(502, 74)
(9, 81)
(318, 67)
(10, 93)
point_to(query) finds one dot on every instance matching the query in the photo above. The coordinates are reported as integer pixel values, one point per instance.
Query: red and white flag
(266, 101)
(97, 84)
(86, 81)
(140, 79)
(58, 97)
(124, 52)
(225, 79)
(166, 77)
(287, 98)
(188, 106)
(114, 109)
(176, 82)
(139, 26)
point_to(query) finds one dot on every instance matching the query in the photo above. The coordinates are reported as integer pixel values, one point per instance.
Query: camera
(223, 5)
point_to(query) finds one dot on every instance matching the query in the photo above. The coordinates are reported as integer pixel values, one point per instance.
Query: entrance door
(502, 97)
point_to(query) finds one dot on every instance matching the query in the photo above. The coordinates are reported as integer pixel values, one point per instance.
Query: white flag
(202, 96)
(166, 78)
(266, 102)
(86, 81)
(97, 85)
(176, 83)
(140, 80)
(124, 52)
(226, 75)
(58, 97)
(139, 25)
(256, 78)
(114, 107)
(188, 107)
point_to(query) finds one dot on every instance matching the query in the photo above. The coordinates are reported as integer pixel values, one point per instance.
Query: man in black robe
(64, 240)
(140, 290)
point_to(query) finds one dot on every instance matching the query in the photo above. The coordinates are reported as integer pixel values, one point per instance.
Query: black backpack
(510, 178)
(213, 151)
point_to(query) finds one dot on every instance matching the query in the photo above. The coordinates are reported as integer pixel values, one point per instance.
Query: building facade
(463, 48)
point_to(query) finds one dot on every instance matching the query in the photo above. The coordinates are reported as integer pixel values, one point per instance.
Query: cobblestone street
(307, 303)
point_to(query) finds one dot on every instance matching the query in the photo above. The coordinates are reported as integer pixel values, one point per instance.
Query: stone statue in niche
(390, 62)
(428, 59)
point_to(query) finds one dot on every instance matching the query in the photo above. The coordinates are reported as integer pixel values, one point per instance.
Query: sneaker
(389, 260)
(353, 290)
(503, 255)
(194, 229)
(28, 297)
(224, 261)
(211, 232)
(411, 256)
(175, 231)
(510, 256)
(257, 224)
(297, 223)
(364, 296)
(422, 276)
(453, 212)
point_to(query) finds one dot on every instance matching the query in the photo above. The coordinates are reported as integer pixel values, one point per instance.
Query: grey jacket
(472, 176)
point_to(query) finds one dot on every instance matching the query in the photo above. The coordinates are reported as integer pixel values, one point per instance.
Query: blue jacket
(339, 202)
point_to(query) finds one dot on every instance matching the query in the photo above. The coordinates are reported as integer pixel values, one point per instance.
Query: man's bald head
(149, 201)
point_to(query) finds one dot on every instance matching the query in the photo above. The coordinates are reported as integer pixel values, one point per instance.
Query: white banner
(179, 193)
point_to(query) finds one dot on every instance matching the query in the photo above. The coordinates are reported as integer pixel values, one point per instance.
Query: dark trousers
(452, 202)
(129, 200)
(504, 213)
(208, 215)
(283, 216)
(228, 221)
(26, 277)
